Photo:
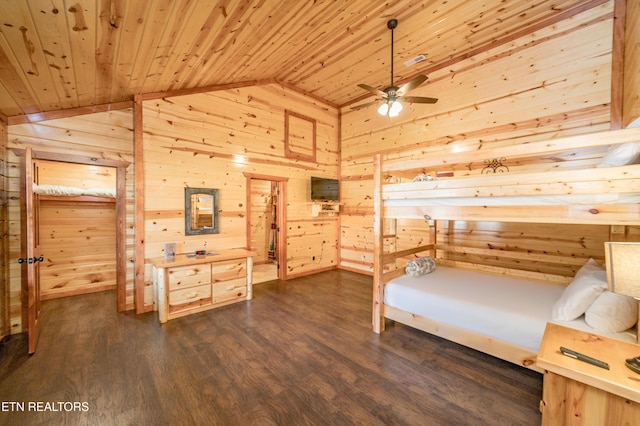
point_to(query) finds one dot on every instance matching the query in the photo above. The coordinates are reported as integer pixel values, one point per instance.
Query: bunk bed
(108, 194)
(495, 310)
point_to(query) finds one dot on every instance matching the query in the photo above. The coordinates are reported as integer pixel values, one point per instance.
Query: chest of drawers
(193, 284)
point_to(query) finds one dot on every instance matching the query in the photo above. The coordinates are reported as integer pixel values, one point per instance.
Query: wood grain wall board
(65, 228)
(78, 277)
(260, 130)
(500, 135)
(213, 140)
(549, 248)
(561, 182)
(631, 83)
(75, 175)
(80, 134)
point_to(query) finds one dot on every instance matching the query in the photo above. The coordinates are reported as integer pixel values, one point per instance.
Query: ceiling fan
(392, 95)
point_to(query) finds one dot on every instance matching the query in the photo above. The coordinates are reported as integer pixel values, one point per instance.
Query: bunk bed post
(433, 236)
(378, 246)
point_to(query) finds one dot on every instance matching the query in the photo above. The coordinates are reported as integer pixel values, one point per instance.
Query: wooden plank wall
(107, 135)
(538, 250)
(78, 242)
(75, 175)
(542, 251)
(4, 226)
(555, 81)
(631, 102)
(209, 140)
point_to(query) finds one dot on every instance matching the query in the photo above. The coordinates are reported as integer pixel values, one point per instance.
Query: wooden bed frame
(415, 200)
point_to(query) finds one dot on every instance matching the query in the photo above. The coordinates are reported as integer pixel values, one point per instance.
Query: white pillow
(612, 313)
(621, 154)
(420, 266)
(587, 285)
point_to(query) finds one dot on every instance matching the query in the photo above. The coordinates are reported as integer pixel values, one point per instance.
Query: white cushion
(621, 154)
(587, 285)
(612, 313)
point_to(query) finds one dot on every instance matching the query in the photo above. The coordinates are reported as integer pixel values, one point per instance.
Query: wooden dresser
(188, 285)
(576, 392)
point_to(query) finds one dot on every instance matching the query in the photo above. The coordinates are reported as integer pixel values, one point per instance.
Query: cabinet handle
(191, 295)
(230, 287)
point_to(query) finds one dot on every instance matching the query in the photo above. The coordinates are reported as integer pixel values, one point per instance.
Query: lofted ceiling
(62, 54)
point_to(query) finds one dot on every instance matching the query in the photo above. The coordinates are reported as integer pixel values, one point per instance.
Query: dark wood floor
(301, 352)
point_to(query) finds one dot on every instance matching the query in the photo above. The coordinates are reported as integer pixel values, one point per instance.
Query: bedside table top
(618, 380)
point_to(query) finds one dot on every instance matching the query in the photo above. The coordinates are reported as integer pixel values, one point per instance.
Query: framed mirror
(201, 211)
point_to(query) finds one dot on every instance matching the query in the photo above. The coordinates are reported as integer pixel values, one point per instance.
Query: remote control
(582, 357)
(633, 364)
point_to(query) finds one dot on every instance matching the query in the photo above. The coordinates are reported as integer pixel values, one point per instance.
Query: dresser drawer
(229, 290)
(228, 270)
(188, 298)
(189, 276)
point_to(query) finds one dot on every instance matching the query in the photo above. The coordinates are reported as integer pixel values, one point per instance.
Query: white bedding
(59, 190)
(509, 309)
(537, 200)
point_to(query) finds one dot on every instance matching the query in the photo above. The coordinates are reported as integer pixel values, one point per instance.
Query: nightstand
(576, 392)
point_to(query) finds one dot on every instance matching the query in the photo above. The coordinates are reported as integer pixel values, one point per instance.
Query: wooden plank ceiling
(62, 54)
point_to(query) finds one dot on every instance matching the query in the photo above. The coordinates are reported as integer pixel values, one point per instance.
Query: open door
(269, 203)
(30, 264)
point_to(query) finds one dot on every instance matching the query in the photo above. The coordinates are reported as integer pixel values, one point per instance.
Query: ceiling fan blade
(365, 105)
(373, 90)
(411, 84)
(418, 100)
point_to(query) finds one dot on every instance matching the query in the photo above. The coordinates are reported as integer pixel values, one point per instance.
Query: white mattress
(59, 190)
(534, 200)
(509, 309)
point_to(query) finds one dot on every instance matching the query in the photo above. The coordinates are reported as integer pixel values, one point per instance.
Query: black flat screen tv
(323, 189)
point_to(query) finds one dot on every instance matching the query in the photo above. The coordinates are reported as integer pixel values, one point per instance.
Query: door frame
(281, 231)
(121, 237)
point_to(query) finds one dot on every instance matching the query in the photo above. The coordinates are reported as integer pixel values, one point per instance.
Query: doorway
(265, 226)
(32, 195)
(94, 188)
(76, 225)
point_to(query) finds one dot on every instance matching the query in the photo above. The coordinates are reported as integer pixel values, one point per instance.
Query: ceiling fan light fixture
(395, 109)
(390, 106)
(383, 109)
